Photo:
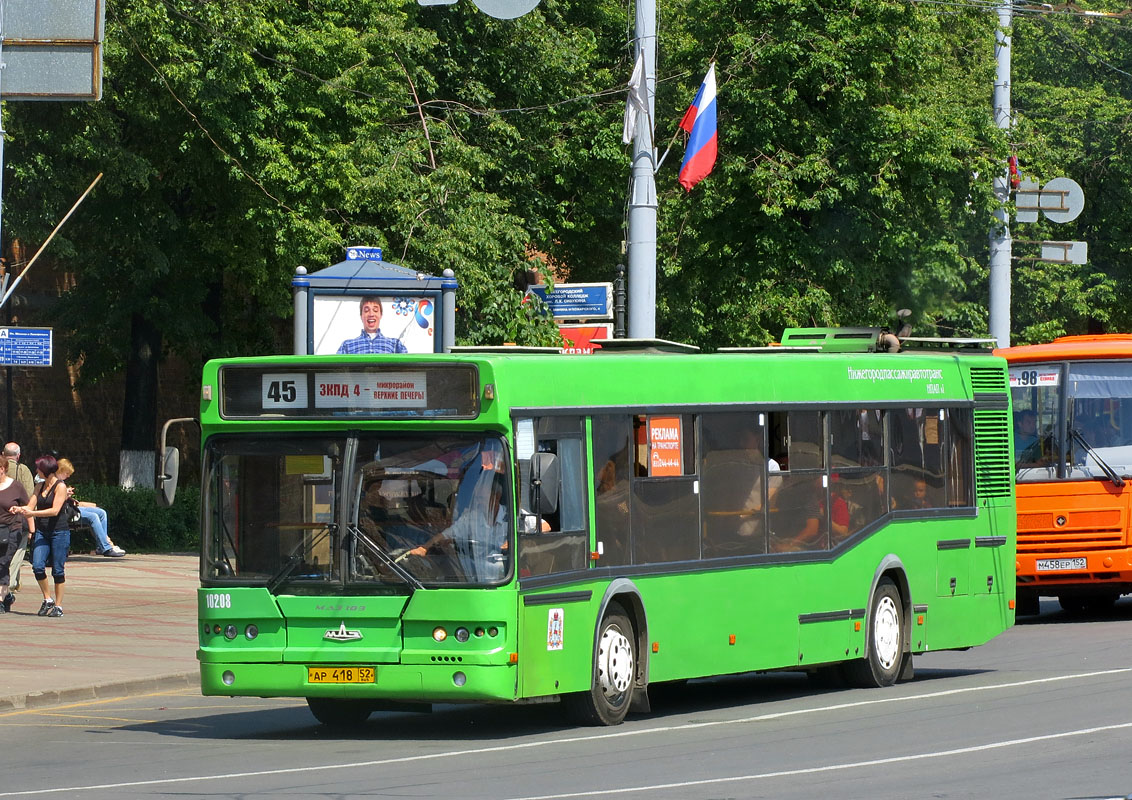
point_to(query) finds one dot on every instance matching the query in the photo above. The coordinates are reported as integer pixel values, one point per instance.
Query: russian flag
(699, 122)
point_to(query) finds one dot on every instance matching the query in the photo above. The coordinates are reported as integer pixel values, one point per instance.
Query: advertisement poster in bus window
(665, 447)
(336, 318)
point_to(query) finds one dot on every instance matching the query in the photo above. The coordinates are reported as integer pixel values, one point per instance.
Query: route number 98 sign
(1030, 377)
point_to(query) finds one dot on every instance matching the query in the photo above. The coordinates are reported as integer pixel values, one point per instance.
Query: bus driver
(478, 536)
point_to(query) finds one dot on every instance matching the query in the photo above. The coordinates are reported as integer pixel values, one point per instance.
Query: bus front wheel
(614, 672)
(885, 640)
(335, 712)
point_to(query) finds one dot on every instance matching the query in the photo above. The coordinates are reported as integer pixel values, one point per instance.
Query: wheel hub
(886, 633)
(614, 663)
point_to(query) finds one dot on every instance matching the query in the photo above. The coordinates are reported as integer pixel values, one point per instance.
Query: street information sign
(25, 347)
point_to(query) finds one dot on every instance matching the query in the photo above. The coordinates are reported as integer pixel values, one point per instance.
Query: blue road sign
(25, 347)
(578, 300)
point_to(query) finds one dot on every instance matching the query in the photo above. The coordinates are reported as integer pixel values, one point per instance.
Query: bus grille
(994, 465)
(988, 379)
(1095, 530)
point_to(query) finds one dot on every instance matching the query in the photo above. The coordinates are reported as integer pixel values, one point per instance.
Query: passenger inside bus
(1025, 430)
(797, 520)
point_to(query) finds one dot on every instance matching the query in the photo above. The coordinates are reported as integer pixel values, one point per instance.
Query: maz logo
(342, 635)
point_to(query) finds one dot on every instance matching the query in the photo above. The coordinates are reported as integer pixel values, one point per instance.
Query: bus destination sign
(372, 391)
(365, 391)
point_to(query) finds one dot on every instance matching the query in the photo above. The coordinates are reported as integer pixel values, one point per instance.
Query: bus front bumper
(448, 683)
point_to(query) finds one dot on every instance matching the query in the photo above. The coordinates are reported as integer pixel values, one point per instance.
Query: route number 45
(281, 391)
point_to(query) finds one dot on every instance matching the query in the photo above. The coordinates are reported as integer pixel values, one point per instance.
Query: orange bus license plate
(341, 675)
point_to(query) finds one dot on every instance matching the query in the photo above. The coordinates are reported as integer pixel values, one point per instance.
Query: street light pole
(1000, 241)
(641, 235)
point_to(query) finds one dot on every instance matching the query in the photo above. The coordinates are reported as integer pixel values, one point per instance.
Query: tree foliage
(241, 138)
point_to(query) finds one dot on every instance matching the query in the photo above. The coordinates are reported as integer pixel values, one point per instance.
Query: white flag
(637, 102)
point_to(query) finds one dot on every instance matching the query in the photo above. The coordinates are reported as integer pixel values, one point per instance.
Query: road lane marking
(876, 762)
(623, 733)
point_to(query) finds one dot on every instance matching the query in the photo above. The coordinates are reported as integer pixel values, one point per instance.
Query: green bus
(384, 532)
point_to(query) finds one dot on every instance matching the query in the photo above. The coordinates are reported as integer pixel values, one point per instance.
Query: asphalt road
(1044, 711)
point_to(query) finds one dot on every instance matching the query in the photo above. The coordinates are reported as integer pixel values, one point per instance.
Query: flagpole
(641, 233)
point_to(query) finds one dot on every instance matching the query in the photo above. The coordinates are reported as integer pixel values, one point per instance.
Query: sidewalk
(129, 627)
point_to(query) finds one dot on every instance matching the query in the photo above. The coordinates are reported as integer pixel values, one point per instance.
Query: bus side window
(612, 443)
(733, 478)
(918, 454)
(553, 536)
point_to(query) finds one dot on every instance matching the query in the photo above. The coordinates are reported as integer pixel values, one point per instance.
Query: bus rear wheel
(884, 642)
(614, 672)
(334, 712)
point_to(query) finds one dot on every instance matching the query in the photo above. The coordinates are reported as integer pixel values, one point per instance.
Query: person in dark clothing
(52, 533)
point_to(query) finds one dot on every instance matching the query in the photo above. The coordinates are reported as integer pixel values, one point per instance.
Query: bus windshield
(1072, 420)
(417, 510)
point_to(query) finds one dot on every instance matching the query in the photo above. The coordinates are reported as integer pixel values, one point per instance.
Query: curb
(102, 691)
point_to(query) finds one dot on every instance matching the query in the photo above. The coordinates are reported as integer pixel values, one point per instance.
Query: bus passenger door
(556, 627)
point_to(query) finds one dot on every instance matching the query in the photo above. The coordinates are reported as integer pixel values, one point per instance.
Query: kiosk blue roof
(373, 274)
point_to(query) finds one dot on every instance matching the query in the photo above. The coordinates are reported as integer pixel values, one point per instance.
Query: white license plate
(1056, 564)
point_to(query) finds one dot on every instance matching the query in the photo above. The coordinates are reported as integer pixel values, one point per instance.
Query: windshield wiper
(384, 556)
(294, 559)
(1109, 472)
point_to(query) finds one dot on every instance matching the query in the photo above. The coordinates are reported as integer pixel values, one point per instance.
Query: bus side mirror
(545, 483)
(169, 464)
(167, 477)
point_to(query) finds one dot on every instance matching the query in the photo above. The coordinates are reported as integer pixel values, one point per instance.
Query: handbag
(70, 512)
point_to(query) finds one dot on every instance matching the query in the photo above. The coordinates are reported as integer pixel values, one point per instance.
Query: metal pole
(641, 234)
(448, 309)
(300, 288)
(1000, 242)
(619, 303)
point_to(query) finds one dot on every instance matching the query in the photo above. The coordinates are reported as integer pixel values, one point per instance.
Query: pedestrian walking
(12, 495)
(23, 477)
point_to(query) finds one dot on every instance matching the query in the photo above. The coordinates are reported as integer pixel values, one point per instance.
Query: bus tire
(614, 673)
(885, 641)
(335, 712)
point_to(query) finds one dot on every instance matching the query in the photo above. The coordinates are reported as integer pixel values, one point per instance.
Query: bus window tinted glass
(553, 541)
(612, 447)
(918, 456)
(733, 475)
(960, 470)
(268, 509)
(440, 505)
(857, 437)
(1035, 393)
(798, 513)
(805, 442)
(1099, 399)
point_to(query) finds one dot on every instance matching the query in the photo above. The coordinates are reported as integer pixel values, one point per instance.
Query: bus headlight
(439, 634)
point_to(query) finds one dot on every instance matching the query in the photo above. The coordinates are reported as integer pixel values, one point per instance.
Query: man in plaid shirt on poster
(371, 339)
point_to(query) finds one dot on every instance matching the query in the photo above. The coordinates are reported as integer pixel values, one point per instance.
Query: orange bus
(1072, 402)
